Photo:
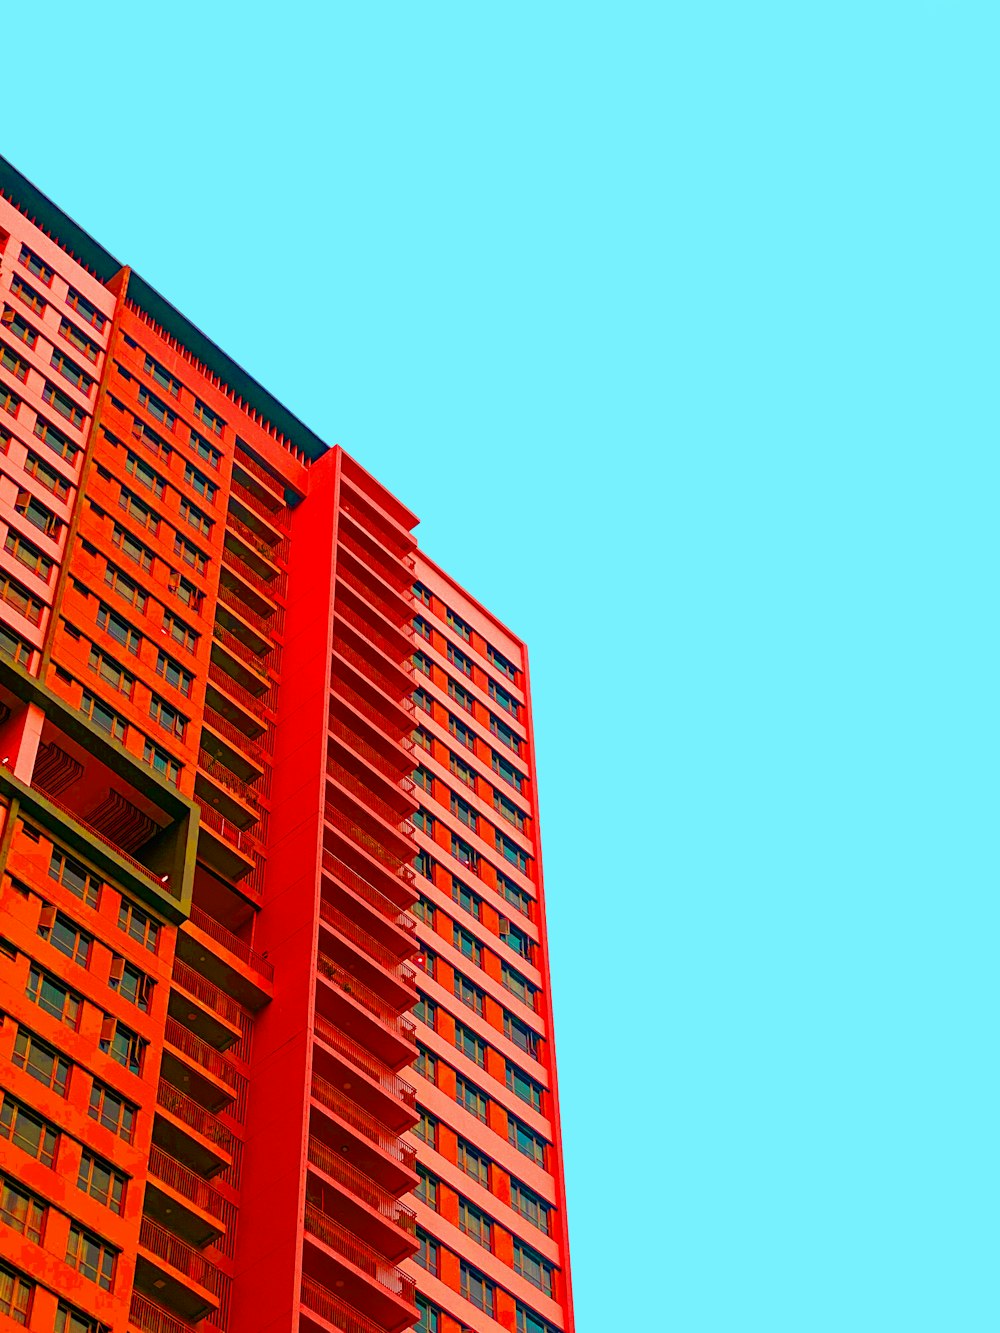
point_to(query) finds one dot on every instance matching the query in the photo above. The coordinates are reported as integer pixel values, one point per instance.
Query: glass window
(531, 1207)
(523, 1086)
(135, 921)
(461, 628)
(55, 440)
(68, 368)
(428, 1317)
(74, 877)
(174, 674)
(529, 1322)
(206, 451)
(468, 993)
(516, 939)
(52, 996)
(459, 660)
(102, 716)
(475, 1223)
(79, 340)
(525, 1140)
(144, 474)
(464, 812)
(102, 1181)
(426, 1063)
(65, 935)
(422, 662)
(85, 309)
(425, 1010)
(427, 1256)
(162, 377)
(113, 1111)
(461, 696)
(517, 984)
(520, 1034)
(463, 734)
(15, 1291)
(511, 812)
(38, 1059)
(28, 554)
(477, 1288)
(462, 852)
(69, 1320)
(161, 762)
(474, 1163)
(502, 663)
(28, 1130)
(63, 405)
(130, 983)
(92, 1257)
(426, 1128)
(506, 700)
(34, 300)
(157, 408)
(463, 771)
(167, 716)
(504, 733)
(472, 1098)
(469, 902)
(200, 483)
(470, 1044)
(511, 852)
(422, 594)
(125, 587)
(35, 265)
(207, 417)
(123, 1045)
(21, 1211)
(467, 944)
(427, 1186)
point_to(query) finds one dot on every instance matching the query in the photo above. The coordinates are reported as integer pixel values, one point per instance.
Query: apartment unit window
(69, 1320)
(207, 417)
(161, 762)
(15, 1291)
(427, 1185)
(470, 1044)
(19, 326)
(123, 1045)
(200, 483)
(424, 739)
(21, 1210)
(516, 939)
(125, 587)
(143, 473)
(529, 1322)
(192, 514)
(525, 1140)
(520, 1034)
(136, 509)
(475, 1224)
(424, 778)
(180, 632)
(504, 733)
(68, 368)
(147, 436)
(464, 812)
(511, 852)
(65, 935)
(462, 697)
(422, 627)
(16, 595)
(422, 594)
(36, 513)
(463, 771)
(12, 362)
(28, 554)
(130, 983)
(472, 1098)
(424, 864)
(423, 700)
(110, 672)
(512, 813)
(55, 440)
(102, 1181)
(167, 716)
(462, 852)
(102, 716)
(157, 408)
(469, 994)
(74, 877)
(517, 984)
(523, 1086)
(85, 309)
(477, 1288)
(139, 925)
(426, 1063)
(426, 1129)
(14, 647)
(173, 673)
(118, 628)
(32, 299)
(46, 475)
(466, 899)
(463, 734)
(63, 405)
(206, 451)
(468, 945)
(422, 662)
(79, 340)
(425, 1010)
(506, 700)
(163, 377)
(28, 1131)
(428, 1255)
(53, 997)
(459, 660)
(38, 1059)
(91, 1256)
(429, 962)
(531, 1207)
(190, 554)
(428, 1317)
(424, 820)
(424, 909)
(9, 401)
(474, 1163)
(461, 628)
(36, 266)
(502, 664)
(111, 1110)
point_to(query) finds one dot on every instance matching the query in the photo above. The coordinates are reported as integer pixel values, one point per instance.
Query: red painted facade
(229, 808)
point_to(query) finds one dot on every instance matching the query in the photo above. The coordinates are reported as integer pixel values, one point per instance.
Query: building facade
(275, 1049)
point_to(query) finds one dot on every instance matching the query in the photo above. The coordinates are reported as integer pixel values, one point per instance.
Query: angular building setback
(275, 1025)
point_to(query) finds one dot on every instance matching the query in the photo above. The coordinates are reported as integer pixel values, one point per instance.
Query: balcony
(330, 1311)
(395, 605)
(375, 1024)
(397, 762)
(392, 843)
(259, 613)
(249, 668)
(178, 1198)
(255, 710)
(246, 508)
(341, 1259)
(260, 498)
(401, 919)
(401, 976)
(209, 948)
(395, 682)
(375, 520)
(391, 1148)
(390, 1083)
(212, 1014)
(146, 1315)
(188, 1132)
(391, 718)
(177, 1273)
(236, 800)
(248, 757)
(338, 1168)
(259, 552)
(397, 573)
(230, 851)
(395, 641)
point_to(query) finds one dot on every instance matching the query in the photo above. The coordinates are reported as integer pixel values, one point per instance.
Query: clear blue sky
(689, 313)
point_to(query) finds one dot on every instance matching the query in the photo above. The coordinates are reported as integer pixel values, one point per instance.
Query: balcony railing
(367, 1125)
(266, 624)
(370, 551)
(397, 610)
(348, 1175)
(358, 1055)
(152, 1318)
(334, 1309)
(396, 650)
(251, 465)
(366, 997)
(272, 588)
(216, 770)
(209, 994)
(393, 720)
(186, 1182)
(233, 943)
(390, 769)
(279, 519)
(254, 540)
(373, 846)
(366, 943)
(257, 750)
(402, 684)
(166, 1246)
(362, 1256)
(400, 823)
(384, 905)
(259, 662)
(207, 1056)
(190, 1113)
(372, 519)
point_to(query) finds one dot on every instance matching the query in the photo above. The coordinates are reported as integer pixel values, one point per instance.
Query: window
(504, 733)
(477, 1289)
(12, 362)
(14, 647)
(422, 662)
(15, 1289)
(55, 440)
(474, 1163)
(422, 594)
(525, 1140)
(531, 1207)
(424, 820)
(428, 1317)
(512, 813)
(39, 1060)
(511, 852)
(167, 716)
(36, 266)
(91, 1256)
(463, 734)
(425, 1010)
(462, 771)
(9, 401)
(53, 997)
(520, 1034)
(502, 663)
(456, 623)
(426, 1129)
(162, 377)
(16, 595)
(135, 921)
(190, 554)
(85, 310)
(424, 778)
(426, 1063)
(424, 739)
(161, 762)
(468, 993)
(427, 1185)
(464, 812)
(157, 408)
(427, 1256)
(466, 899)
(515, 939)
(69, 1320)
(19, 326)
(517, 984)
(37, 514)
(206, 451)
(130, 983)
(207, 417)
(429, 962)
(470, 1044)
(21, 1210)
(68, 368)
(144, 474)
(119, 628)
(523, 1086)
(459, 660)
(475, 1223)
(28, 554)
(472, 1098)
(424, 864)
(423, 700)
(468, 945)
(79, 340)
(200, 483)
(102, 1182)
(74, 877)
(123, 1045)
(63, 405)
(424, 909)
(113, 1111)
(529, 1322)
(180, 632)
(132, 547)
(192, 515)
(28, 295)
(65, 935)
(147, 436)
(514, 894)
(174, 674)
(102, 716)
(28, 1131)
(138, 510)
(462, 852)
(461, 696)
(125, 587)
(46, 475)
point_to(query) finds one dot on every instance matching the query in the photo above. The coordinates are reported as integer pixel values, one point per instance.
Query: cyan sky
(689, 313)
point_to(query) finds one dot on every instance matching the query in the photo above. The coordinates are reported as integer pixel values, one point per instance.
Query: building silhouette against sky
(276, 1043)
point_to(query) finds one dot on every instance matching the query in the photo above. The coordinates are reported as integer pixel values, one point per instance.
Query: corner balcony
(230, 962)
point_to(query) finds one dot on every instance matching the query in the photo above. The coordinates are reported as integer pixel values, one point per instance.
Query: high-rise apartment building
(275, 1031)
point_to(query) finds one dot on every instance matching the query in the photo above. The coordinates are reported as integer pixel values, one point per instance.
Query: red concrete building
(275, 1026)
